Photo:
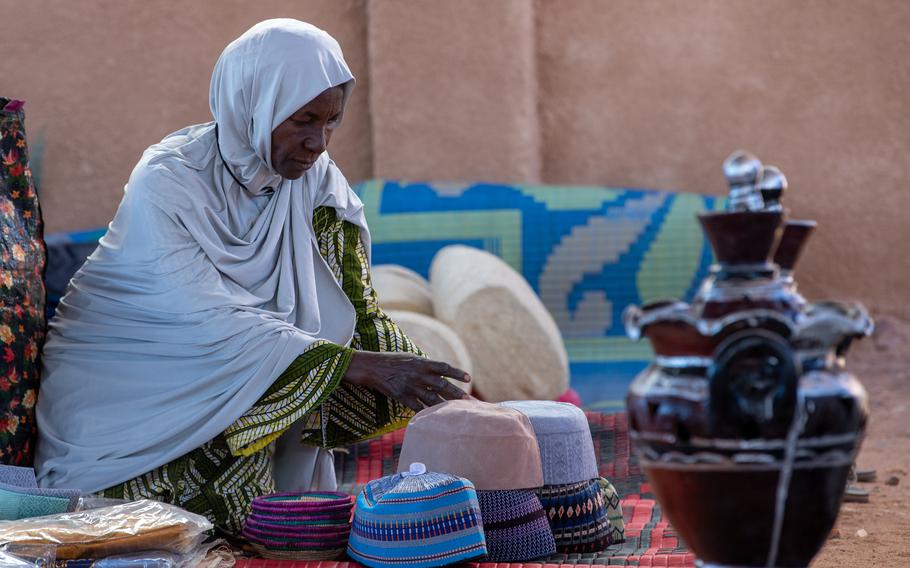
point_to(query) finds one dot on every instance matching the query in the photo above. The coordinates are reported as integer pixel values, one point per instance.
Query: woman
(225, 331)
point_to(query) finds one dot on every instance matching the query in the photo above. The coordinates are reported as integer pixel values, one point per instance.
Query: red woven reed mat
(650, 541)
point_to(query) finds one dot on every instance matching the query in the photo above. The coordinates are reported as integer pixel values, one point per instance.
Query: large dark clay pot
(747, 422)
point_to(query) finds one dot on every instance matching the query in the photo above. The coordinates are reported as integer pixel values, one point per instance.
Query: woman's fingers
(428, 397)
(449, 391)
(429, 380)
(412, 402)
(412, 380)
(446, 370)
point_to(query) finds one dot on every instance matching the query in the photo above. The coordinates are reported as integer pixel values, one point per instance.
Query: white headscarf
(208, 283)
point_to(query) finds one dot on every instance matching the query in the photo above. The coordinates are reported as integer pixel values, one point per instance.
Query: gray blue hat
(564, 438)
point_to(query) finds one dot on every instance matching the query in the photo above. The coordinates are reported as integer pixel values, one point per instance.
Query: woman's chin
(295, 170)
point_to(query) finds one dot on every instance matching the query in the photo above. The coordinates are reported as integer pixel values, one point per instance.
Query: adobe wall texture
(454, 94)
(641, 93)
(657, 94)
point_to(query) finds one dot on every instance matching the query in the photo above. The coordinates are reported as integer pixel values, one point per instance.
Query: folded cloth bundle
(515, 526)
(491, 445)
(21, 498)
(417, 519)
(300, 526)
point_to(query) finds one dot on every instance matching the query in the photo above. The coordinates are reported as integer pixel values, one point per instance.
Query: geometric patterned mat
(650, 541)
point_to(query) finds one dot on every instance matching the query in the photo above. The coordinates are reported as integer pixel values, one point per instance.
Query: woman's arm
(388, 377)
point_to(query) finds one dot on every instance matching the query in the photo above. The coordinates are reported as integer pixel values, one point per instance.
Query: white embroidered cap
(564, 437)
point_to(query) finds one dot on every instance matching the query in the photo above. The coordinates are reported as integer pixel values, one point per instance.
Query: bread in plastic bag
(120, 529)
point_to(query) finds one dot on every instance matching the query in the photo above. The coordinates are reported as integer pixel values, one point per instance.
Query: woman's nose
(316, 142)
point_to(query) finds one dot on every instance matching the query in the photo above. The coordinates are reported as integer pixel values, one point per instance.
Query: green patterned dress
(221, 478)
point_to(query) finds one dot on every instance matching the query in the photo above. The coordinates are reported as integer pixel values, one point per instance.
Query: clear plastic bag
(121, 529)
(145, 559)
(10, 560)
(27, 555)
(87, 502)
(151, 559)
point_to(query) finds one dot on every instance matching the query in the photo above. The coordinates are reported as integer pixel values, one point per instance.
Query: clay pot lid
(792, 241)
(742, 237)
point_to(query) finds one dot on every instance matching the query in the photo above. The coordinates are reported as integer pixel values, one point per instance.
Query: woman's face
(299, 140)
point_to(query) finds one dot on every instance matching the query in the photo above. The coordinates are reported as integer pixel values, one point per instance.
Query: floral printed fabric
(22, 292)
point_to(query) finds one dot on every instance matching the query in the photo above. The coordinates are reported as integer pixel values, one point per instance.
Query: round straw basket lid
(400, 288)
(515, 345)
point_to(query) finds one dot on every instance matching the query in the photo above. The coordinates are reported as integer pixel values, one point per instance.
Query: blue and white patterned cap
(417, 519)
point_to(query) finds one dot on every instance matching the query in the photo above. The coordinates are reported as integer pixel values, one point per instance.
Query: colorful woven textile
(15, 506)
(564, 438)
(18, 476)
(647, 247)
(281, 525)
(22, 291)
(301, 503)
(577, 515)
(21, 498)
(515, 526)
(291, 555)
(422, 521)
(304, 520)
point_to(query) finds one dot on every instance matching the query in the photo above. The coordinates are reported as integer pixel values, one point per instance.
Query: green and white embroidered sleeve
(354, 413)
(300, 389)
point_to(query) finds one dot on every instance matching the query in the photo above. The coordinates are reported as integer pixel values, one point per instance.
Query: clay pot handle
(752, 385)
(834, 325)
(631, 319)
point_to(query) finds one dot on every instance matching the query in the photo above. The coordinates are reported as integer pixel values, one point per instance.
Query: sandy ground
(878, 533)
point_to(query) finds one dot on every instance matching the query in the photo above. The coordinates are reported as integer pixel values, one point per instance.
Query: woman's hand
(414, 381)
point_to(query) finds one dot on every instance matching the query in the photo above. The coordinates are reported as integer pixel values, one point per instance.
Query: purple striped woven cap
(283, 531)
(315, 543)
(323, 519)
(515, 526)
(313, 503)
